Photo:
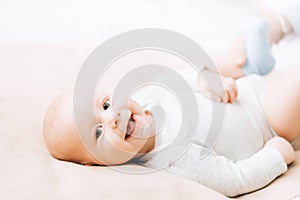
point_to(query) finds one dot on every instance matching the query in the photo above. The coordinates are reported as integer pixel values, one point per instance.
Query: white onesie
(238, 163)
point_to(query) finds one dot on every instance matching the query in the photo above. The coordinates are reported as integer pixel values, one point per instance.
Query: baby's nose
(113, 124)
(114, 121)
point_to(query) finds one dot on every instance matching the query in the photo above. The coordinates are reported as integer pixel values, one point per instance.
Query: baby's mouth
(130, 127)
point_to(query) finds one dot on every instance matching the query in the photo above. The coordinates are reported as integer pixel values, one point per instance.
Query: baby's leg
(282, 104)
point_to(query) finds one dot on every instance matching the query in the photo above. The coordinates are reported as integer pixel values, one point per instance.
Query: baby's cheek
(115, 143)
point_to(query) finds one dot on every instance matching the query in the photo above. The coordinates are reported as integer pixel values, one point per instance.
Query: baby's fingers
(230, 90)
(226, 96)
(232, 94)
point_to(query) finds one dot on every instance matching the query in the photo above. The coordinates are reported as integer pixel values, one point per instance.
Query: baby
(252, 150)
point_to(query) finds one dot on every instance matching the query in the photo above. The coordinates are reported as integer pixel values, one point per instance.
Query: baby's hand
(228, 95)
(284, 147)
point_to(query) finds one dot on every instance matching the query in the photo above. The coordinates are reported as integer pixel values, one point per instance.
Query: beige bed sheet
(31, 77)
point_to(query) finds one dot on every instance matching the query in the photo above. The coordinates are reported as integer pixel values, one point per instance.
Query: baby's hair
(50, 120)
(55, 136)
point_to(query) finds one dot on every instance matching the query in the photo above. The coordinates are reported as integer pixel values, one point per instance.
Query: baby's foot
(258, 51)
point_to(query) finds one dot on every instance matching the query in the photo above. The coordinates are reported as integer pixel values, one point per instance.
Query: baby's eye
(106, 105)
(98, 132)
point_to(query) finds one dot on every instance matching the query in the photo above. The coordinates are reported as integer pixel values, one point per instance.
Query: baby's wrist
(283, 147)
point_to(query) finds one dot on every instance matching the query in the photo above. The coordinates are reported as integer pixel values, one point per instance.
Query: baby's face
(113, 138)
(119, 137)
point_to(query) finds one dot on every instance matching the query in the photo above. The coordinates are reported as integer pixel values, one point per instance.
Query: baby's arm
(228, 177)
(211, 84)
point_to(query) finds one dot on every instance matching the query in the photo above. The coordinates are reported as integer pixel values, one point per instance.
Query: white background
(211, 23)
(92, 21)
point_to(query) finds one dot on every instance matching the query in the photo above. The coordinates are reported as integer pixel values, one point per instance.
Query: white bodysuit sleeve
(291, 10)
(228, 177)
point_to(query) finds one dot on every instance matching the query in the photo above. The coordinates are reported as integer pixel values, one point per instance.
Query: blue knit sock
(258, 51)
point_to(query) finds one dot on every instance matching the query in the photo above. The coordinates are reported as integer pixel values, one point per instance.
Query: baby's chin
(152, 121)
(158, 118)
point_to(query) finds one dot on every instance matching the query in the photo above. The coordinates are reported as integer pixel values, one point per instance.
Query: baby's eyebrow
(97, 100)
(100, 99)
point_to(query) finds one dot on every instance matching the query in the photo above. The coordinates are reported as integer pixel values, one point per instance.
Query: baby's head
(112, 139)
